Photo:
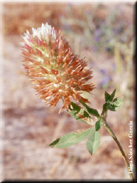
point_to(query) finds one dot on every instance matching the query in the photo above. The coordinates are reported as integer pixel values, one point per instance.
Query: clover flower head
(56, 72)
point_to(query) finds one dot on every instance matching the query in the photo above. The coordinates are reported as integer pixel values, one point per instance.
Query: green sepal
(71, 138)
(93, 142)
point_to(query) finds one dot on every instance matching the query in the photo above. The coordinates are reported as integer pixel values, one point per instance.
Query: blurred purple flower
(105, 80)
(97, 38)
(103, 71)
(98, 33)
(115, 31)
(114, 66)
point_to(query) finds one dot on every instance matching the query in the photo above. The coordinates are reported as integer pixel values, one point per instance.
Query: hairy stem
(121, 149)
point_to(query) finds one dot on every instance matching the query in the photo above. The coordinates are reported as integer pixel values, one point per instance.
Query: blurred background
(101, 32)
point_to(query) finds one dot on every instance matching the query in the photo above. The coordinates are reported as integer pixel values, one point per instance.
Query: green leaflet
(71, 138)
(111, 104)
(112, 95)
(98, 124)
(73, 114)
(92, 111)
(76, 111)
(116, 104)
(93, 142)
(109, 97)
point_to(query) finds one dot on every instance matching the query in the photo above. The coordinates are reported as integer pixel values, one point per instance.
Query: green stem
(121, 149)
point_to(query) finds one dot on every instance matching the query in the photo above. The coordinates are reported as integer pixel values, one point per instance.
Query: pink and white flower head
(53, 68)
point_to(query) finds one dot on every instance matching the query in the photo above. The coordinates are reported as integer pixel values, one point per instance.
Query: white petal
(34, 31)
(27, 32)
(43, 25)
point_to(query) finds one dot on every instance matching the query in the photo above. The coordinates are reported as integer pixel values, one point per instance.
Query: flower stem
(121, 149)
